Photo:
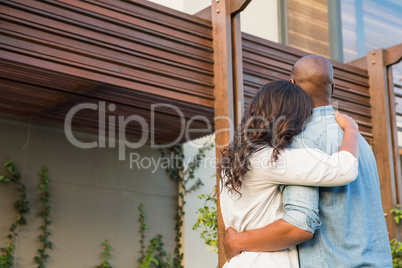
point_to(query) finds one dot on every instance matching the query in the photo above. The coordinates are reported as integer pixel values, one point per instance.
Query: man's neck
(319, 103)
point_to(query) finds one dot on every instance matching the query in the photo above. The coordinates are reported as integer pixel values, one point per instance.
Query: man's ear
(291, 80)
(332, 88)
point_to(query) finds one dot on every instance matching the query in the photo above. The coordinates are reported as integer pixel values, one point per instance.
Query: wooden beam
(394, 133)
(237, 6)
(238, 81)
(204, 13)
(382, 132)
(223, 81)
(393, 55)
(359, 63)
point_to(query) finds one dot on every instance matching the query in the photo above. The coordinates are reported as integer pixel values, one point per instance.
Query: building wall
(174, 4)
(94, 197)
(260, 18)
(196, 254)
(192, 7)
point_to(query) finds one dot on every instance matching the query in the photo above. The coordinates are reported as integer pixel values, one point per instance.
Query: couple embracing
(299, 183)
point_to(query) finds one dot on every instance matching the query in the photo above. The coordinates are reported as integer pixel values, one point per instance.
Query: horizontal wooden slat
(92, 20)
(148, 11)
(57, 54)
(107, 66)
(54, 109)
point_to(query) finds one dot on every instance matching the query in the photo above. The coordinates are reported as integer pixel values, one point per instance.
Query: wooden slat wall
(56, 54)
(308, 26)
(266, 61)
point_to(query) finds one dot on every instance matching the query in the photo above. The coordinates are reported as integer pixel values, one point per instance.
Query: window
(368, 25)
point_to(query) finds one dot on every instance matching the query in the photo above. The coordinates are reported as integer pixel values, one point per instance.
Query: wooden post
(237, 56)
(394, 134)
(382, 132)
(392, 56)
(228, 81)
(223, 80)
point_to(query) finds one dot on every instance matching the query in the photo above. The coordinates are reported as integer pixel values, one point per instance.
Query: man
(347, 222)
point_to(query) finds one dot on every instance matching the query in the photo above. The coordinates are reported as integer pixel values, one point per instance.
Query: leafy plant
(397, 211)
(183, 174)
(396, 246)
(207, 221)
(155, 253)
(106, 255)
(161, 256)
(22, 207)
(396, 250)
(143, 227)
(45, 213)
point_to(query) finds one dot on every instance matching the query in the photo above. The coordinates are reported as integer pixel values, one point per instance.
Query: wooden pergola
(135, 54)
(57, 54)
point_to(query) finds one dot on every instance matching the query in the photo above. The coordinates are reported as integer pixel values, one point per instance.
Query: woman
(257, 163)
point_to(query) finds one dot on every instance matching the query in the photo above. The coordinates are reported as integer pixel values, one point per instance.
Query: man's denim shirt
(348, 221)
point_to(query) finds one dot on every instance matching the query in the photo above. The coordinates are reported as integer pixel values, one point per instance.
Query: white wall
(173, 4)
(260, 18)
(192, 7)
(187, 6)
(94, 197)
(196, 255)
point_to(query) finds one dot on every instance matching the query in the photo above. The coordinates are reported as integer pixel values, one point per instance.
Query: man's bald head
(315, 75)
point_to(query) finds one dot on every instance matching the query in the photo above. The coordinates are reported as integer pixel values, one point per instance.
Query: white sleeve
(307, 166)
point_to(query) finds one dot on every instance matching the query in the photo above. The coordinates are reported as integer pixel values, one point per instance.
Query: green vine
(155, 253)
(45, 213)
(161, 256)
(143, 227)
(207, 221)
(183, 175)
(397, 211)
(106, 255)
(22, 207)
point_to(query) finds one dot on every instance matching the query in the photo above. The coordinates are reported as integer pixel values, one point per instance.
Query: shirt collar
(323, 110)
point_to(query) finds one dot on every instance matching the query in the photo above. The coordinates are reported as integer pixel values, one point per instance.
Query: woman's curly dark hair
(277, 113)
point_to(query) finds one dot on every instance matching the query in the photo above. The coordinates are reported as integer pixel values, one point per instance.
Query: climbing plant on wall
(42, 257)
(151, 256)
(106, 255)
(185, 178)
(155, 254)
(22, 208)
